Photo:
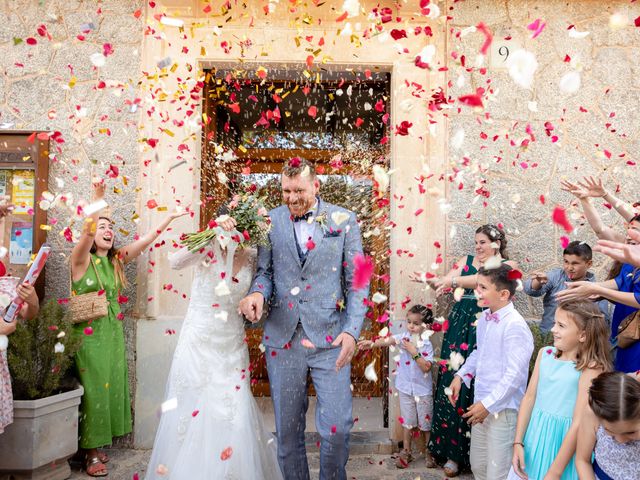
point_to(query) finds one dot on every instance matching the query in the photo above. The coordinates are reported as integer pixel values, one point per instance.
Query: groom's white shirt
(304, 229)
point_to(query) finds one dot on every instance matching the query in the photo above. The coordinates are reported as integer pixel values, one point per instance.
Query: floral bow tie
(304, 217)
(492, 317)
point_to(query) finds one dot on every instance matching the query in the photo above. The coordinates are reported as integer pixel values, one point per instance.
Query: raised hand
(592, 187)
(99, 186)
(178, 214)
(578, 291)
(623, 252)
(574, 189)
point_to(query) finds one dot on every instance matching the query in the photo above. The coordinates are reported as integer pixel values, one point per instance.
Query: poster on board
(20, 243)
(23, 191)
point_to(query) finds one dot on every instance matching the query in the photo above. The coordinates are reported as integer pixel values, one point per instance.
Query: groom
(315, 317)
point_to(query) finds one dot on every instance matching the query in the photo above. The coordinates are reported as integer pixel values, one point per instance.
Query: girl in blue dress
(550, 412)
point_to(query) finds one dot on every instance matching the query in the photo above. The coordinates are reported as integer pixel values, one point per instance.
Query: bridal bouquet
(252, 223)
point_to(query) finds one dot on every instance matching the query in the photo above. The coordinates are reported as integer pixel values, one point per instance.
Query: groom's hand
(348, 347)
(251, 306)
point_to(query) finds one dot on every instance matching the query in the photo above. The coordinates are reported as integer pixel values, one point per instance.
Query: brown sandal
(95, 468)
(429, 462)
(404, 459)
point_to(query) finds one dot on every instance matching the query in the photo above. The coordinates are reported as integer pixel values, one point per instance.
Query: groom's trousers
(288, 368)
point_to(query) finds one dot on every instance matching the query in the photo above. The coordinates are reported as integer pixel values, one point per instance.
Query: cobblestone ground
(125, 464)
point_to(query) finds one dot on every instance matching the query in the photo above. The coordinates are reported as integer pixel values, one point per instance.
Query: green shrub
(540, 339)
(36, 369)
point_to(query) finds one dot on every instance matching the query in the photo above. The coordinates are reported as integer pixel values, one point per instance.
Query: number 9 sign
(500, 52)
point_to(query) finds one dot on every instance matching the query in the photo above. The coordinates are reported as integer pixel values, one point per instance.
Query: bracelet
(454, 283)
(518, 443)
(416, 357)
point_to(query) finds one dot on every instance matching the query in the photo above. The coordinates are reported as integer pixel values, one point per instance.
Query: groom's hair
(299, 166)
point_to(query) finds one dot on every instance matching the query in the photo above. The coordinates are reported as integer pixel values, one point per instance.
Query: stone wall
(602, 115)
(53, 85)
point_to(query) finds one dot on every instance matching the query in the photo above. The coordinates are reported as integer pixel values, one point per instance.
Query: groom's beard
(300, 207)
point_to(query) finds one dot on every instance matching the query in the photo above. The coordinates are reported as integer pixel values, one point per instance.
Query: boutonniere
(322, 221)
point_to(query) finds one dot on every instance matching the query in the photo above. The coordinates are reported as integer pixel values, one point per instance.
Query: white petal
(370, 372)
(570, 82)
(98, 59)
(493, 262)
(222, 289)
(383, 332)
(339, 217)
(458, 139)
(4, 342)
(58, 348)
(295, 291)
(573, 33)
(381, 176)
(168, 405)
(522, 65)
(352, 7)
(427, 53)
(222, 316)
(532, 106)
(378, 298)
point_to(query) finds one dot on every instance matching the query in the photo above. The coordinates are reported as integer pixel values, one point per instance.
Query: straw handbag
(629, 330)
(88, 306)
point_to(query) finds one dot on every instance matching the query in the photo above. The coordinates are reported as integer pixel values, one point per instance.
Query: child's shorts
(416, 411)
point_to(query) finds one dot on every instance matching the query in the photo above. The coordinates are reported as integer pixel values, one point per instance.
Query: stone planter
(42, 437)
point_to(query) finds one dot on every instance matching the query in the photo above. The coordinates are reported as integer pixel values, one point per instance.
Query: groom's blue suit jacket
(316, 292)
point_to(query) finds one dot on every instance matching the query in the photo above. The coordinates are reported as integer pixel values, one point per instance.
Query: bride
(211, 427)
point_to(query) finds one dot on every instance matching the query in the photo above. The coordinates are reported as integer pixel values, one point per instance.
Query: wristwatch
(454, 283)
(416, 356)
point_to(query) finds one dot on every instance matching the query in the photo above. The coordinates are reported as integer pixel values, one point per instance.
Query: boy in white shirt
(413, 380)
(500, 365)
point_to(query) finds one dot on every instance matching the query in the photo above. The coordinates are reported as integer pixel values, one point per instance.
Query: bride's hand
(226, 222)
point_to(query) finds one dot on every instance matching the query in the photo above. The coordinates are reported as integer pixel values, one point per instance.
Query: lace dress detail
(620, 461)
(209, 382)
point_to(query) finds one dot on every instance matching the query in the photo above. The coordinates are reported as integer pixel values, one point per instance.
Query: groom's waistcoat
(316, 292)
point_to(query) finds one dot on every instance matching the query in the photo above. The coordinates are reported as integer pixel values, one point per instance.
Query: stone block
(12, 27)
(124, 64)
(20, 60)
(475, 11)
(27, 104)
(77, 55)
(119, 29)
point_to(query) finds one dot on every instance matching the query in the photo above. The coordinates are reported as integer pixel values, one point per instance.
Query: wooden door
(345, 181)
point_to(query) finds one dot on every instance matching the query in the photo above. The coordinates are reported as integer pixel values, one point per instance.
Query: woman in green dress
(450, 435)
(101, 363)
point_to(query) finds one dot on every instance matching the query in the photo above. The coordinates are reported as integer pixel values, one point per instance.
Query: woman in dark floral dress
(450, 436)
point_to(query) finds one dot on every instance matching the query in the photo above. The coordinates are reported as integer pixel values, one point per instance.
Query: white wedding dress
(211, 427)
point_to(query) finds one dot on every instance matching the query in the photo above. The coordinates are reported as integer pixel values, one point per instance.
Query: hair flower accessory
(295, 162)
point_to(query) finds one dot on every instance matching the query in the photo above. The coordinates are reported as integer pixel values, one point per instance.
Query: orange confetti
(226, 454)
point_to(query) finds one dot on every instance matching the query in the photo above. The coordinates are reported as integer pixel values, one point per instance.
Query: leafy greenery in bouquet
(252, 222)
(41, 352)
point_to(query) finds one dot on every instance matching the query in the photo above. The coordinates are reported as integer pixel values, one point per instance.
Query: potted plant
(44, 432)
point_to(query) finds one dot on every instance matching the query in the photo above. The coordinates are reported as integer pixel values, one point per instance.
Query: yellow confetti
(242, 149)
(168, 132)
(45, 227)
(72, 82)
(162, 209)
(123, 231)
